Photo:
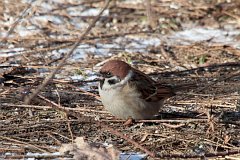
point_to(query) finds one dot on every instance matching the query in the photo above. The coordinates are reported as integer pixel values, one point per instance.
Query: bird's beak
(100, 79)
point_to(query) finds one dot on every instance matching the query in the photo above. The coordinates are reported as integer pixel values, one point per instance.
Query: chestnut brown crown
(115, 67)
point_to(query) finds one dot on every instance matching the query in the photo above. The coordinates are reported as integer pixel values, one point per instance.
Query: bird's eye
(108, 74)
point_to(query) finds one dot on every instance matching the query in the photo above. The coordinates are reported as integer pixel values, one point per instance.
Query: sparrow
(129, 93)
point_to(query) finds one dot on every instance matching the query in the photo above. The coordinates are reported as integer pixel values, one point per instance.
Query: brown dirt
(198, 122)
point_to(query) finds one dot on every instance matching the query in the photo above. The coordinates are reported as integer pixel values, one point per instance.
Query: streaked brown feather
(149, 89)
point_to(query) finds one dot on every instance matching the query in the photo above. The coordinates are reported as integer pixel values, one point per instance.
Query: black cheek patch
(113, 81)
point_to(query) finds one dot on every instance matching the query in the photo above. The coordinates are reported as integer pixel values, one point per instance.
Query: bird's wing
(149, 89)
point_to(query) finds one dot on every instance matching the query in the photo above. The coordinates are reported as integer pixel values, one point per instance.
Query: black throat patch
(101, 82)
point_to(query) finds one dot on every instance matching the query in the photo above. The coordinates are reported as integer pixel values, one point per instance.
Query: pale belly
(128, 105)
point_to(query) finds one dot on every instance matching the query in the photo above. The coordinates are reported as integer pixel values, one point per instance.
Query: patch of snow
(81, 11)
(94, 12)
(27, 1)
(87, 75)
(76, 77)
(132, 156)
(8, 20)
(88, 86)
(41, 154)
(47, 6)
(133, 2)
(38, 20)
(75, 11)
(26, 31)
(193, 35)
(36, 154)
(84, 49)
(77, 25)
(134, 44)
(91, 75)
(174, 6)
(11, 49)
(10, 52)
(8, 154)
(56, 54)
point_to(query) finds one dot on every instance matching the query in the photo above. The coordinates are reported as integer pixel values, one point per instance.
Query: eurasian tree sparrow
(129, 93)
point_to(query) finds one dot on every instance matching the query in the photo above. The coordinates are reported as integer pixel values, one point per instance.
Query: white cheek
(116, 86)
(107, 93)
(106, 85)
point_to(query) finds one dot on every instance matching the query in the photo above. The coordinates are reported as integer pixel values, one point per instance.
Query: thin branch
(220, 79)
(27, 144)
(119, 134)
(37, 156)
(49, 107)
(20, 17)
(162, 121)
(62, 62)
(199, 156)
(91, 120)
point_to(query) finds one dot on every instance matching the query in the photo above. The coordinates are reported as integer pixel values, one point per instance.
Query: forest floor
(178, 42)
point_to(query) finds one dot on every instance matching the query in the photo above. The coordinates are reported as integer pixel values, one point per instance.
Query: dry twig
(62, 62)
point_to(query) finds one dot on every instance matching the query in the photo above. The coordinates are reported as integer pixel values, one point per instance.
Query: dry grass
(202, 121)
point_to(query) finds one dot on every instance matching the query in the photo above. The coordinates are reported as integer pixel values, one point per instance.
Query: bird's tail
(184, 87)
